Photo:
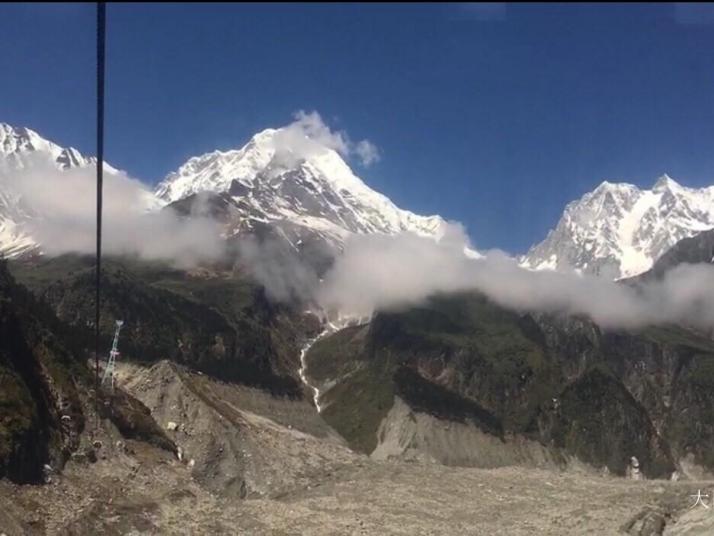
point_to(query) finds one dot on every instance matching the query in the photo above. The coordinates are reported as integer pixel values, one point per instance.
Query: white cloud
(308, 134)
(279, 269)
(63, 205)
(382, 272)
(313, 127)
(367, 152)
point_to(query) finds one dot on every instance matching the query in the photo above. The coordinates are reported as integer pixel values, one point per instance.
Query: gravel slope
(300, 479)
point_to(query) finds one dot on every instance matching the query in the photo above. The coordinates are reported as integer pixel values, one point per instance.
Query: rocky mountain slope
(214, 320)
(596, 396)
(296, 477)
(527, 389)
(40, 411)
(244, 442)
(47, 392)
(620, 230)
(698, 249)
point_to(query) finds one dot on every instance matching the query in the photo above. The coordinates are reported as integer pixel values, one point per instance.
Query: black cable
(101, 38)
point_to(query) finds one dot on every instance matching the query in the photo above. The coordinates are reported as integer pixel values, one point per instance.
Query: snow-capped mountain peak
(619, 230)
(267, 155)
(282, 183)
(665, 182)
(289, 180)
(20, 147)
(215, 171)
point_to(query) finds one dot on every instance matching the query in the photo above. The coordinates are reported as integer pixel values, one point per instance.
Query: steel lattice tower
(113, 353)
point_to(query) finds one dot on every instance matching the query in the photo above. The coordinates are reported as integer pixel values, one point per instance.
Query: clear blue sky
(495, 116)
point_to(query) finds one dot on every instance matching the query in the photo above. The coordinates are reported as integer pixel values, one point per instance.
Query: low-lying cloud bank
(374, 272)
(382, 272)
(59, 212)
(284, 275)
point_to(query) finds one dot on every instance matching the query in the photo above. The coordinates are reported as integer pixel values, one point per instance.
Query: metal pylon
(113, 353)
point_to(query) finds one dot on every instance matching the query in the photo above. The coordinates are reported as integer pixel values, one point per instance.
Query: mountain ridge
(290, 180)
(283, 185)
(619, 230)
(20, 149)
(19, 145)
(282, 179)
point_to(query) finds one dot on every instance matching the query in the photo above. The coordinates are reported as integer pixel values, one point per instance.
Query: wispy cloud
(367, 152)
(308, 132)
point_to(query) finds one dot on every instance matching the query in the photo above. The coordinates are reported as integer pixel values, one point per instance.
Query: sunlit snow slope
(620, 230)
(297, 185)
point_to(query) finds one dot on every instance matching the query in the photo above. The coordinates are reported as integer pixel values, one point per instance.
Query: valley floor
(362, 497)
(247, 470)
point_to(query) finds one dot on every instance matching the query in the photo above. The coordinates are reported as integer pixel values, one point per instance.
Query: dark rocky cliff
(41, 415)
(47, 390)
(212, 320)
(602, 396)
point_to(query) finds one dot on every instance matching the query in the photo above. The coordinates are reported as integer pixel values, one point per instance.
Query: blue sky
(495, 116)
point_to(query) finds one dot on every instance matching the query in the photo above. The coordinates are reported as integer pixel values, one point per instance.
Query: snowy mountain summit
(619, 230)
(296, 184)
(24, 149)
(282, 184)
(292, 185)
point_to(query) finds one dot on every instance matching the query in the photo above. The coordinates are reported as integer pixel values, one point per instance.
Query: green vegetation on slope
(363, 382)
(216, 322)
(602, 396)
(599, 421)
(37, 381)
(493, 356)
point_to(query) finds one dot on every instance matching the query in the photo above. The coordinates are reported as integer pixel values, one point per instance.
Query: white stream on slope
(329, 328)
(303, 367)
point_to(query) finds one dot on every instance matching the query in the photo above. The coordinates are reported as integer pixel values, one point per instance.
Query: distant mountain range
(22, 148)
(620, 230)
(304, 194)
(299, 196)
